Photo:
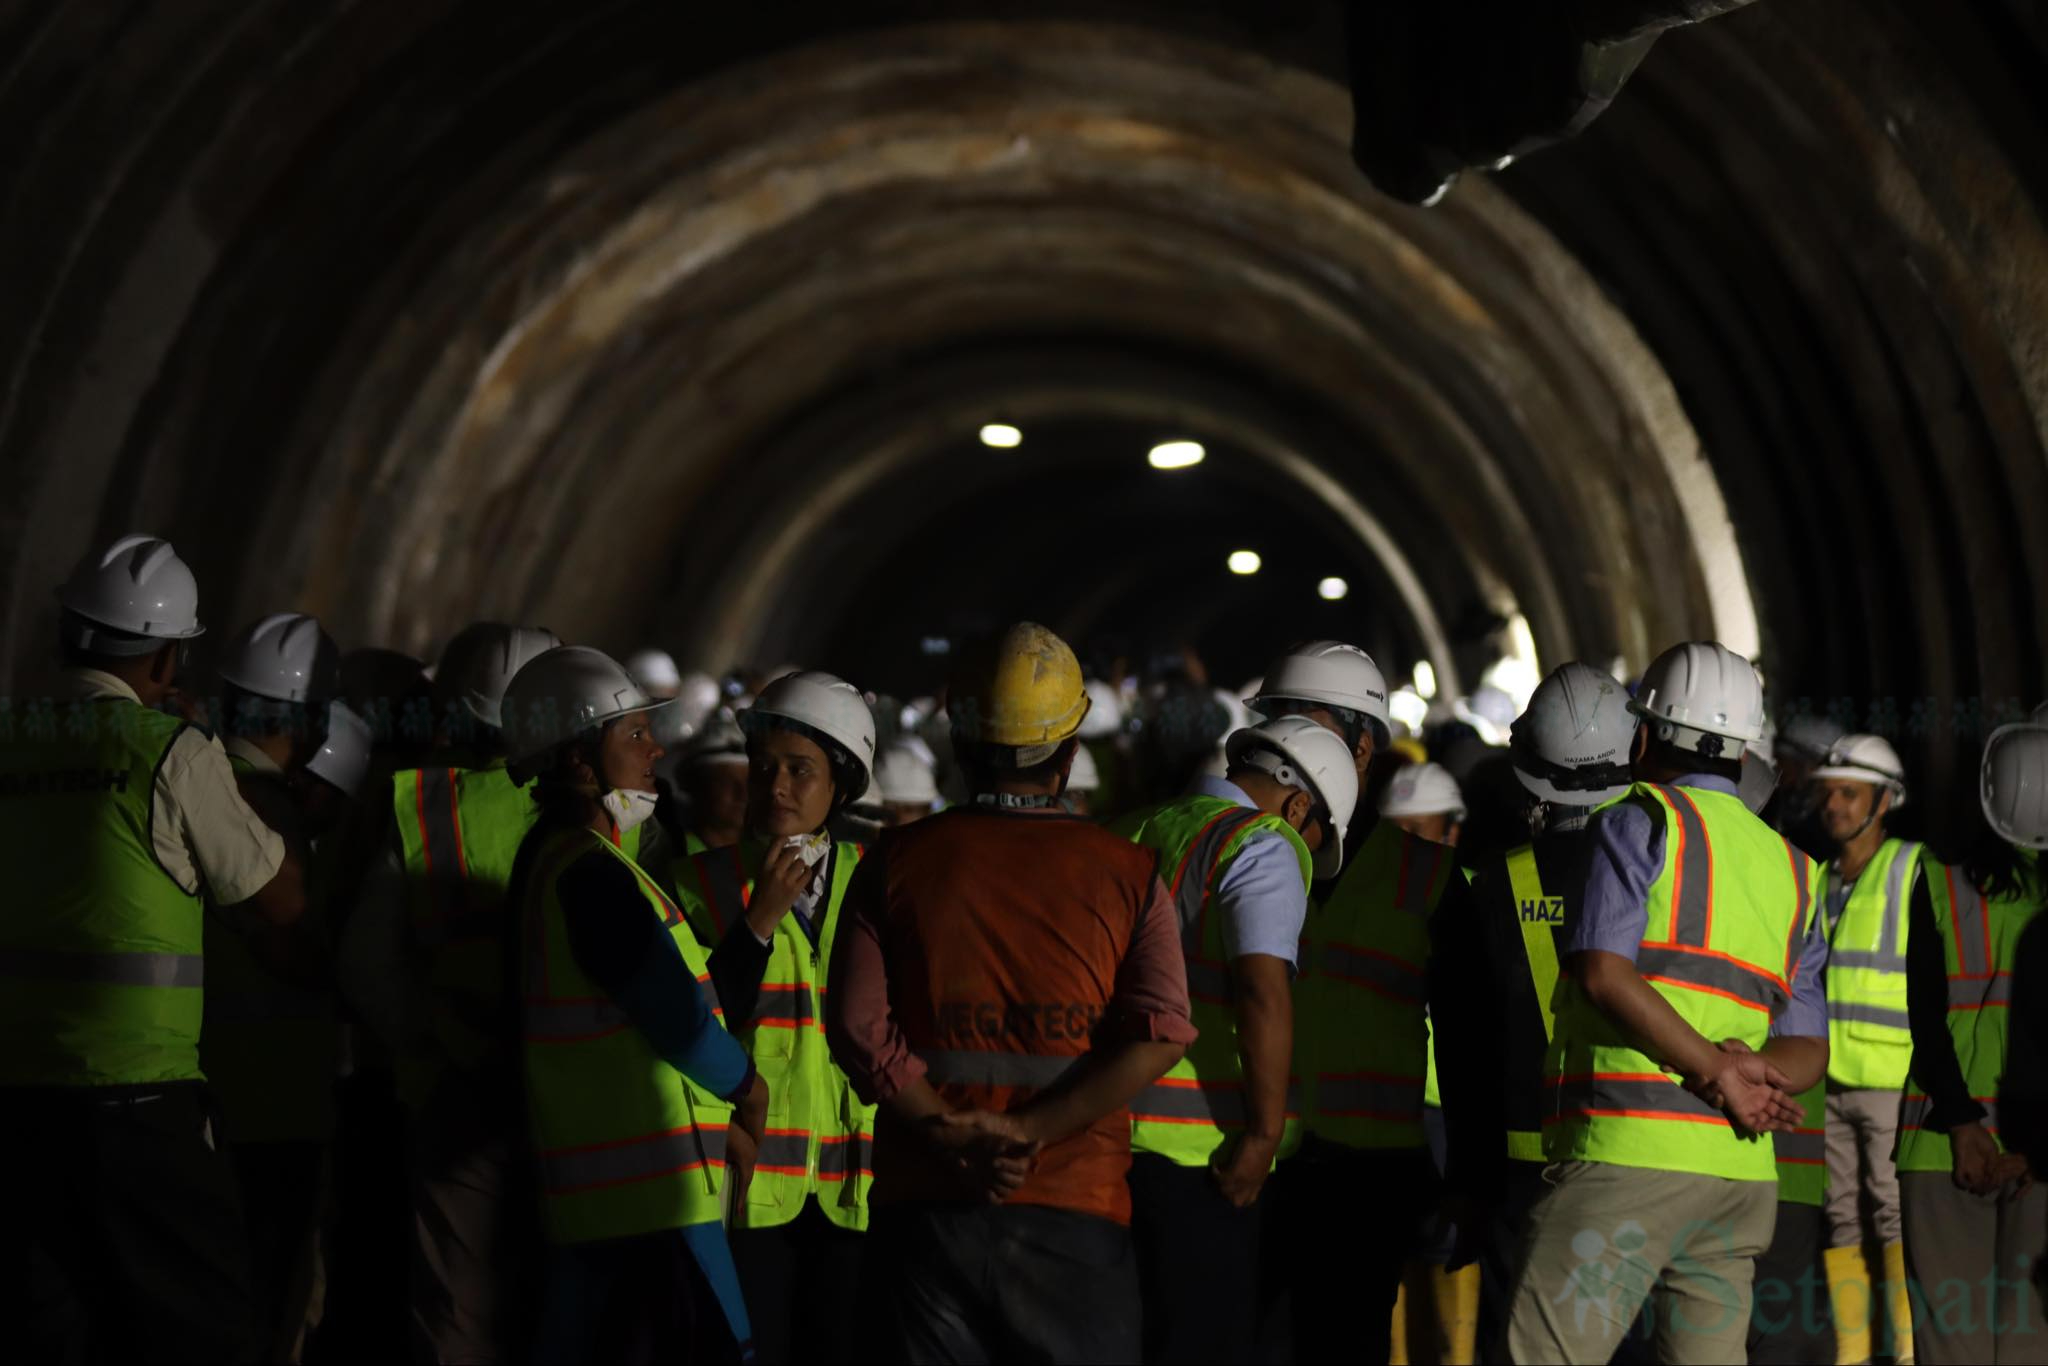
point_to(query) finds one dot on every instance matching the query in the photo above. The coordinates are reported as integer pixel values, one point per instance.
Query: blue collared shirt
(1624, 855)
(1261, 895)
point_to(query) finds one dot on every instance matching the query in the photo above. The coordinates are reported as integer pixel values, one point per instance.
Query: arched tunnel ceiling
(407, 314)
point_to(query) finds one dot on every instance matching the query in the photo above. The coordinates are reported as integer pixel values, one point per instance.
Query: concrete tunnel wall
(410, 314)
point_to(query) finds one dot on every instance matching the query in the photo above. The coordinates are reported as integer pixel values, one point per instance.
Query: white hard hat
(489, 655)
(138, 587)
(1331, 674)
(828, 705)
(285, 657)
(1866, 759)
(1105, 711)
(1810, 735)
(1700, 695)
(1297, 752)
(698, 695)
(562, 693)
(2014, 784)
(903, 776)
(344, 757)
(1085, 777)
(1423, 790)
(1571, 745)
(655, 670)
(719, 741)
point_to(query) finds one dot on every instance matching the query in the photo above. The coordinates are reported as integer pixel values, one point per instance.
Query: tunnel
(654, 326)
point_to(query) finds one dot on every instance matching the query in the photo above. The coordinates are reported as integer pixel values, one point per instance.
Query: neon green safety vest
(1726, 916)
(101, 954)
(1802, 1153)
(1187, 1115)
(1979, 936)
(459, 830)
(1870, 1043)
(820, 1139)
(1536, 913)
(1361, 1047)
(269, 1048)
(625, 1143)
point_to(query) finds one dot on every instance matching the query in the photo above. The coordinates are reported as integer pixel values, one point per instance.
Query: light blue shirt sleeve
(1806, 1015)
(1261, 895)
(1624, 854)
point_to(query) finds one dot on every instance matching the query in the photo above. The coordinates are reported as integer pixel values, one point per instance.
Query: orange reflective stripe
(786, 1152)
(1634, 1095)
(565, 1171)
(843, 1155)
(1795, 939)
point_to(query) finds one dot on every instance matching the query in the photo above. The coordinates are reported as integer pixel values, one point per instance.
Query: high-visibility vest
(1186, 1115)
(1870, 1042)
(1361, 1047)
(102, 961)
(1802, 1153)
(1725, 929)
(1535, 914)
(1979, 937)
(459, 830)
(820, 1137)
(268, 1047)
(625, 1143)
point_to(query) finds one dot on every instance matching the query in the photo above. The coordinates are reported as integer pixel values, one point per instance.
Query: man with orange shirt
(1007, 978)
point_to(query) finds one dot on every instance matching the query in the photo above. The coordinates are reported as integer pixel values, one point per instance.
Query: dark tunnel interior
(655, 326)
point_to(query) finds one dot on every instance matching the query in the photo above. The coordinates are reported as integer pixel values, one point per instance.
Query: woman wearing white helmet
(769, 905)
(1972, 1211)
(630, 1078)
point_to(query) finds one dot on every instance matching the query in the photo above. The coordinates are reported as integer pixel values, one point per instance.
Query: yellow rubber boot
(1849, 1294)
(1898, 1299)
(1398, 1356)
(1457, 1314)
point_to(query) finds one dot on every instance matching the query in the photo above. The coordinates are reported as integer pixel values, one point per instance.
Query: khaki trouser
(1971, 1259)
(1608, 1237)
(1862, 1128)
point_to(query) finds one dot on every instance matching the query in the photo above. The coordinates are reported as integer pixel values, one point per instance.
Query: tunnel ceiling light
(1244, 562)
(1001, 435)
(1176, 455)
(1425, 680)
(1332, 589)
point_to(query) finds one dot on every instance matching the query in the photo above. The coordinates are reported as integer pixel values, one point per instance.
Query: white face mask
(628, 806)
(811, 848)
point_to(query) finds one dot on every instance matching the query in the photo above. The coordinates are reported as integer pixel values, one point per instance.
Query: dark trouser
(1343, 1221)
(802, 1285)
(367, 1314)
(1792, 1321)
(631, 1301)
(1198, 1264)
(1500, 1255)
(121, 1239)
(474, 1213)
(1010, 1283)
(283, 1189)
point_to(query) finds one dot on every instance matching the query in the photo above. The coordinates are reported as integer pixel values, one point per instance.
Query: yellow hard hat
(1023, 691)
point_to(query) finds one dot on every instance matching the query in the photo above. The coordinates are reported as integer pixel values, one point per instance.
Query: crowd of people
(536, 1005)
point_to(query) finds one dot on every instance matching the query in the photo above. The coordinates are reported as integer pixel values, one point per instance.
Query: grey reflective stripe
(1973, 993)
(1635, 1096)
(786, 1151)
(1364, 1096)
(262, 1005)
(1191, 879)
(105, 969)
(1895, 901)
(1694, 870)
(1805, 1146)
(963, 1068)
(1863, 1014)
(1966, 912)
(1210, 981)
(1694, 969)
(1374, 971)
(1188, 1101)
(839, 1158)
(565, 1021)
(784, 1004)
(1875, 962)
(1795, 937)
(640, 1159)
(1916, 1111)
